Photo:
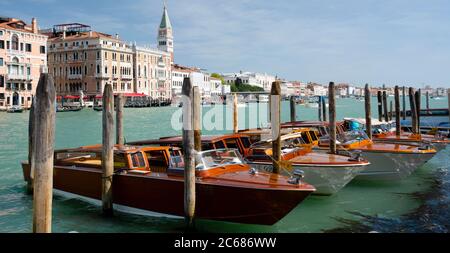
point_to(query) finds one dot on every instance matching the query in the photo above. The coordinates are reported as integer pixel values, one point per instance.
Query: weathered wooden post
(428, 100)
(319, 109)
(119, 119)
(332, 115)
(397, 111)
(293, 112)
(30, 145)
(385, 107)
(197, 111)
(235, 114)
(448, 99)
(42, 153)
(412, 104)
(324, 109)
(391, 110)
(380, 106)
(275, 104)
(189, 154)
(107, 149)
(404, 103)
(368, 111)
(418, 95)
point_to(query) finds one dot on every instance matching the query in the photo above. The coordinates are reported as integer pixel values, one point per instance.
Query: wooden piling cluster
(42, 148)
(319, 109)
(404, 102)
(324, 109)
(418, 106)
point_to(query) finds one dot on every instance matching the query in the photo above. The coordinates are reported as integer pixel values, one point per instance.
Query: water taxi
(385, 132)
(388, 161)
(327, 173)
(150, 181)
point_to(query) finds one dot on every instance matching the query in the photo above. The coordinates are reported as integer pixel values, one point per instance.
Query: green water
(82, 128)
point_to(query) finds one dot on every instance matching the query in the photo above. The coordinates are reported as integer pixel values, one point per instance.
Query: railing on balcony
(18, 77)
(75, 77)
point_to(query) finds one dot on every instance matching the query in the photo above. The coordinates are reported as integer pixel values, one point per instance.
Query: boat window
(138, 160)
(207, 146)
(246, 142)
(219, 145)
(217, 158)
(177, 159)
(305, 138)
(120, 161)
(157, 160)
(232, 143)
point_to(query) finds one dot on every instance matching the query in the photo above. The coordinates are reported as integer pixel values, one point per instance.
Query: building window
(98, 86)
(42, 49)
(15, 42)
(98, 69)
(1, 61)
(28, 47)
(2, 44)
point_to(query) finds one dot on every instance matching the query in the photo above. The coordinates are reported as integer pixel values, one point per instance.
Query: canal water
(417, 204)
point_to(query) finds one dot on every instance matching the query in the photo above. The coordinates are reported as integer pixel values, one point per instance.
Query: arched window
(15, 60)
(15, 42)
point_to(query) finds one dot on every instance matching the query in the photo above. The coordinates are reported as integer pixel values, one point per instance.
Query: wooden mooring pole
(42, 153)
(404, 103)
(119, 119)
(319, 109)
(235, 114)
(368, 111)
(324, 109)
(397, 111)
(332, 116)
(275, 104)
(107, 149)
(197, 111)
(380, 105)
(385, 107)
(418, 95)
(391, 110)
(293, 112)
(428, 100)
(412, 104)
(448, 99)
(189, 154)
(30, 146)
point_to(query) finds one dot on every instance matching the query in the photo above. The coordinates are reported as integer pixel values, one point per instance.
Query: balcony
(102, 76)
(75, 77)
(18, 77)
(127, 77)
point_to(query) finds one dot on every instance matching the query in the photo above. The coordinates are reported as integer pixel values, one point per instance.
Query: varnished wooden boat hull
(166, 196)
(436, 145)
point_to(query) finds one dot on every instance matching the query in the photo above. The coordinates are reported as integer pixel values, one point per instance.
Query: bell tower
(165, 34)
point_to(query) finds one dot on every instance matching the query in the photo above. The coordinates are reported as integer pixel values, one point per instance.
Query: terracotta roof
(13, 23)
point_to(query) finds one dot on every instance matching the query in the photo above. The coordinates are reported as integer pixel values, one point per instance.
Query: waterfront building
(256, 79)
(22, 59)
(81, 59)
(84, 60)
(209, 86)
(152, 72)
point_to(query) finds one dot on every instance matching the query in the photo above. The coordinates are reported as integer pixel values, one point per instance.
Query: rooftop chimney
(34, 26)
(90, 33)
(117, 36)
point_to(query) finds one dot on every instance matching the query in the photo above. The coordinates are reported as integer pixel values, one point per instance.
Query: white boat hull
(391, 166)
(327, 180)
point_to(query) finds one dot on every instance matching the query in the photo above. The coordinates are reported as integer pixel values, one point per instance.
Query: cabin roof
(179, 139)
(121, 149)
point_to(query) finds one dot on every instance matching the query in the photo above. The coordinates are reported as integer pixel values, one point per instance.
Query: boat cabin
(232, 141)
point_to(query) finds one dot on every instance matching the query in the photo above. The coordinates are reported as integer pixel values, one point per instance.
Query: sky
(392, 42)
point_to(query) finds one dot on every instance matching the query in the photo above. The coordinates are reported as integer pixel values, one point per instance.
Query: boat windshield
(353, 136)
(217, 158)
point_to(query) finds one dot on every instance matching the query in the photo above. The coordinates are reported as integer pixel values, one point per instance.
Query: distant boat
(15, 109)
(69, 109)
(98, 108)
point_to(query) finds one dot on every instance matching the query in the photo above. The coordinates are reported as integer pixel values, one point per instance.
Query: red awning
(133, 94)
(72, 97)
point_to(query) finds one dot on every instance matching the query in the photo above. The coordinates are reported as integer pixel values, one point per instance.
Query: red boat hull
(165, 195)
